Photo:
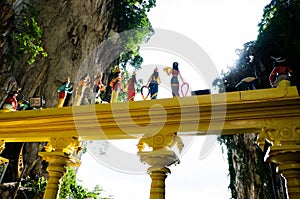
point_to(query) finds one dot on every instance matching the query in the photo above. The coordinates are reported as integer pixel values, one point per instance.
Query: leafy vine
(28, 39)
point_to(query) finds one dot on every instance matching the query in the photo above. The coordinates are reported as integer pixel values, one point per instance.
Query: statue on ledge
(280, 72)
(63, 91)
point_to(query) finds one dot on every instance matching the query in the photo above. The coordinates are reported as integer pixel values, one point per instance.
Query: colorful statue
(81, 86)
(63, 91)
(131, 87)
(174, 80)
(116, 85)
(23, 104)
(11, 102)
(248, 83)
(280, 72)
(97, 88)
(153, 83)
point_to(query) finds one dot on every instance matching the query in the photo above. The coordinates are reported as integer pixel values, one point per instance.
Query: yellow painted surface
(235, 112)
(56, 169)
(273, 112)
(287, 159)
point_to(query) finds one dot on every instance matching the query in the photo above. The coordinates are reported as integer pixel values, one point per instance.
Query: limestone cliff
(72, 32)
(250, 176)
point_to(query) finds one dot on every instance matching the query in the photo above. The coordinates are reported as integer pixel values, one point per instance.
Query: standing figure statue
(11, 102)
(174, 80)
(97, 88)
(131, 87)
(63, 91)
(153, 82)
(280, 72)
(23, 104)
(81, 86)
(116, 85)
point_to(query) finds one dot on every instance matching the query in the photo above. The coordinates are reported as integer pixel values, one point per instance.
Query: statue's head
(175, 65)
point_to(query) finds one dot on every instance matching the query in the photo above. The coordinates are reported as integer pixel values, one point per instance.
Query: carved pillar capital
(63, 144)
(279, 135)
(285, 153)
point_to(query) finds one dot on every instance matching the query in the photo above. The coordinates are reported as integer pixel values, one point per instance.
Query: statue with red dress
(131, 87)
(11, 102)
(280, 72)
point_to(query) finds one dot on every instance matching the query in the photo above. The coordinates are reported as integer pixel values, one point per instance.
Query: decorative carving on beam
(63, 144)
(278, 136)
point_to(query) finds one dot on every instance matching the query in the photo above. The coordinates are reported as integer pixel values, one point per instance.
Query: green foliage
(38, 186)
(244, 66)
(228, 142)
(132, 14)
(28, 39)
(131, 57)
(70, 189)
(135, 27)
(279, 36)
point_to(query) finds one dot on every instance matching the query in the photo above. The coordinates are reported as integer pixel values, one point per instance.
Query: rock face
(250, 176)
(72, 34)
(76, 38)
(7, 79)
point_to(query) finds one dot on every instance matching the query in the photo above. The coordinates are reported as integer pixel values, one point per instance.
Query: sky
(218, 27)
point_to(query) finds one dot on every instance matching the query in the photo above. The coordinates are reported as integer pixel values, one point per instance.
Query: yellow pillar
(158, 176)
(288, 160)
(58, 155)
(159, 158)
(285, 153)
(291, 173)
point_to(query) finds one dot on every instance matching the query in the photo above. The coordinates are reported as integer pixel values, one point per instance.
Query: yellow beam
(229, 113)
